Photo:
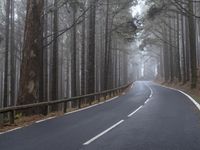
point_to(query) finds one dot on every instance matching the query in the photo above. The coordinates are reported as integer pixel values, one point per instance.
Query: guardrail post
(48, 109)
(110, 94)
(79, 103)
(90, 100)
(1, 120)
(99, 98)
(105, 96)
(12, 117)
(65, 107)
(45, 112)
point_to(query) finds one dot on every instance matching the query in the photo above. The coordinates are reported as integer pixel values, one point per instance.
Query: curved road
(148, 117)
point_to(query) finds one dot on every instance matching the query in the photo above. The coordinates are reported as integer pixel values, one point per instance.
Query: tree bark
(7, 31)
(33, 35)
(83, 56)
(91, 48)
(192, 36)
(55, 54)
(74, 54)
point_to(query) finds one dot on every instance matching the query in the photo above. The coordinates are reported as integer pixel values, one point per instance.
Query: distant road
(148, 117)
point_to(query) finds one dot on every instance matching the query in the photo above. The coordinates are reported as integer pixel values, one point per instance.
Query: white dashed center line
(102, 133)
(135, 111)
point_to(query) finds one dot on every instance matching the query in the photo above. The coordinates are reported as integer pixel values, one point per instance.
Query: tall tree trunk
(192, 36)
(177, 59)
(183, 49)
(171, 53)
(165, 56)
(83, 56)
(106, 69)
(187, 50)
(33, 35)
(5, 100)
(55, 53)
(12, 60)
(46, 85)
(74, 54)
(91, 48)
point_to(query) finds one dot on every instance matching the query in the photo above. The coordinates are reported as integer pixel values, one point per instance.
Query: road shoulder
(191, 94)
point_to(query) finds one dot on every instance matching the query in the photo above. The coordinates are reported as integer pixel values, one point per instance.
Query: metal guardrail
(78, 99)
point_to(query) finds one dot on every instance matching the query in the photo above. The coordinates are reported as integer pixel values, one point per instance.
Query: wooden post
(65, 107)
(1, 119)
(99, 98)
(79, 103)
(12, 117)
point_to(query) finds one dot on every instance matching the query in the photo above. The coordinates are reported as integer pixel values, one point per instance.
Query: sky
(140, 8)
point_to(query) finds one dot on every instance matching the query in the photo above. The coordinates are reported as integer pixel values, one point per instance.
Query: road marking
(196, 103)
(151, 94)
(82, 109)
(91, 106)
(188, 96)
(45, 119)
(135, 111)
(147, 100)
(10, 130)
(112, 99)
(102, 133)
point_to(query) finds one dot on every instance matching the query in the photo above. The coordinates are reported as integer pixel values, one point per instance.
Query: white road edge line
(135, 111)
(147, 100)
(196, 103)
(45, 119)
(91, 106)
(151, 94)
(111, 99)
(10, 130)
(188, 96)
(102, 133)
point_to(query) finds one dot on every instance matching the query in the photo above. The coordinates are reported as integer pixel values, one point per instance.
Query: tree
(74, 52)
(83, 49)
(7, 31)
(63, 51)
(91, 48)
(192, 37)
(55, 53)
(33, 34)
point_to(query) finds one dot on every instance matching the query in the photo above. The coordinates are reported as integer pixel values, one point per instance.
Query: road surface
(148, 117)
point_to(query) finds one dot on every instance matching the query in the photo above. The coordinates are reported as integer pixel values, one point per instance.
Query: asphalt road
(167, 120)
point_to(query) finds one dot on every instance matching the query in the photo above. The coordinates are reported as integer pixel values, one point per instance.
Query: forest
(57, 49)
